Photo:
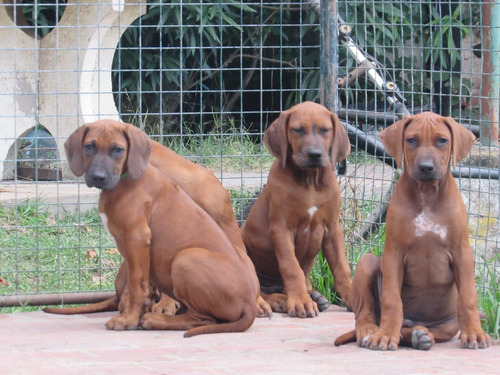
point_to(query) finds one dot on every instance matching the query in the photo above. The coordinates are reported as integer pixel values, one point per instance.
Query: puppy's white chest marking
(312, 210)
(424, 224)
(104, 220)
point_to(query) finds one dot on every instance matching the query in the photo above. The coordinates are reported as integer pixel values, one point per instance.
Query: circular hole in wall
(40, 16)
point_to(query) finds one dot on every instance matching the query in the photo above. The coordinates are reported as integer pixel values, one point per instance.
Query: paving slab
(68, 197)
(39, 343)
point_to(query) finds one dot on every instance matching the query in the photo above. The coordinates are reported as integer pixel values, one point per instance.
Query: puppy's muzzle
(426, 170)
(101, 177)
(426, 167)
(315, 158)
(314, 154)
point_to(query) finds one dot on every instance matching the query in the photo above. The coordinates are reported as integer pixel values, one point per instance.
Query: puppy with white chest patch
(156, 226)
(297, 213)
(423, 289)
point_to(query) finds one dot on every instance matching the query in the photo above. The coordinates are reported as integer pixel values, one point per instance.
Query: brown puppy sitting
(423, 290)
(297, 213)
(205, 190)
(156, 227)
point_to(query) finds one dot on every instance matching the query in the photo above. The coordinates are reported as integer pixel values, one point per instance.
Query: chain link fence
(206, 78)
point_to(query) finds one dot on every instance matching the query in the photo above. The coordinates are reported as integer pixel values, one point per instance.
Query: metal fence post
(490, 95)
(329, 52)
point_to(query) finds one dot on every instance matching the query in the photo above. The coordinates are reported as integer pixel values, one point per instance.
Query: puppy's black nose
(314, 154)
(426, 167)
(99, 176)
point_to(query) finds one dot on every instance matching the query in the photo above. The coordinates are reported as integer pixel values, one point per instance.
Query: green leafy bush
(179, 67)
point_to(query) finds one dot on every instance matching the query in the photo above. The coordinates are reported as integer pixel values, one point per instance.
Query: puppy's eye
(89, 148)
(412, 142)
(441, 141)
(324, 131)
(117, 151)
(299, 131)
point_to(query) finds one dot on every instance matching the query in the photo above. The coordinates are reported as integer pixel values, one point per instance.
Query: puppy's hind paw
(320, 300)
(421, 339)
(263, 309)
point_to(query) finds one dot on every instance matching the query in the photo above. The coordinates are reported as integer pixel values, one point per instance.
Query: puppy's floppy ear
(139, 150)
(392, 139)
(462, 140)
(275, 137)
(340, 147)
(74, 150)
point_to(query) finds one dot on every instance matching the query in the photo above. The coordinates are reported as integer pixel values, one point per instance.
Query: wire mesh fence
(206, 78)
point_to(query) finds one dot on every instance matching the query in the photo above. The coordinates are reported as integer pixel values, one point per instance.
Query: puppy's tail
(110, 304)
(346, 338)
(242, 324)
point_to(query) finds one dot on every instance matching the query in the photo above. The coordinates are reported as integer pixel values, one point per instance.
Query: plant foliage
(181, 65)
(415, 45)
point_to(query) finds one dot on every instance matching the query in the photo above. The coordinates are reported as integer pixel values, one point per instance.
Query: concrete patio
(39, 343)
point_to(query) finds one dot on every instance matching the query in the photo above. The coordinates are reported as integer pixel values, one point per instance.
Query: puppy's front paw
(302, 307)
(363, 331)
(277, 302)
(474, 339)
(166, 305)
(380, 341)
(263, 308)
(154, 321)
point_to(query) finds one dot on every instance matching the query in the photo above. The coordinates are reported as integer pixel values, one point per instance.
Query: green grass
(43, 254)
(489, 298)
(242, 200)
(322, 280)
(223, 149)
(321, 277)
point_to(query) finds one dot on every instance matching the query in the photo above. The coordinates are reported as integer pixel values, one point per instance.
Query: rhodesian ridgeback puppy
(156, 227)
(297, 213)
(423, 289)
(205, 190)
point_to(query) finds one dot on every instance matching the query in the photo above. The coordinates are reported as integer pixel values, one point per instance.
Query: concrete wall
(18, 87)
(62, 80)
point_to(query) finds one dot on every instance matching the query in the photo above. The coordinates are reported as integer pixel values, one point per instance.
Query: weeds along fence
(206, 78)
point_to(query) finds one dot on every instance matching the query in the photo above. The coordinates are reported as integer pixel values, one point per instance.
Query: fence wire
(206, 78)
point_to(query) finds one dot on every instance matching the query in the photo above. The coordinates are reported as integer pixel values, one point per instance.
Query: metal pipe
(354, 74)
(471, 172)
(54, 299)
(373, 146)
(384, 119)
(329, 52)
(368, 116)
(369, 144)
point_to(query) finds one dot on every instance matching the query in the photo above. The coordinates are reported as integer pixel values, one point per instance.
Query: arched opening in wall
(38, 157)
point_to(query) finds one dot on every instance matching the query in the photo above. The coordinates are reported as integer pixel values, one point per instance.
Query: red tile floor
(40, 343)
